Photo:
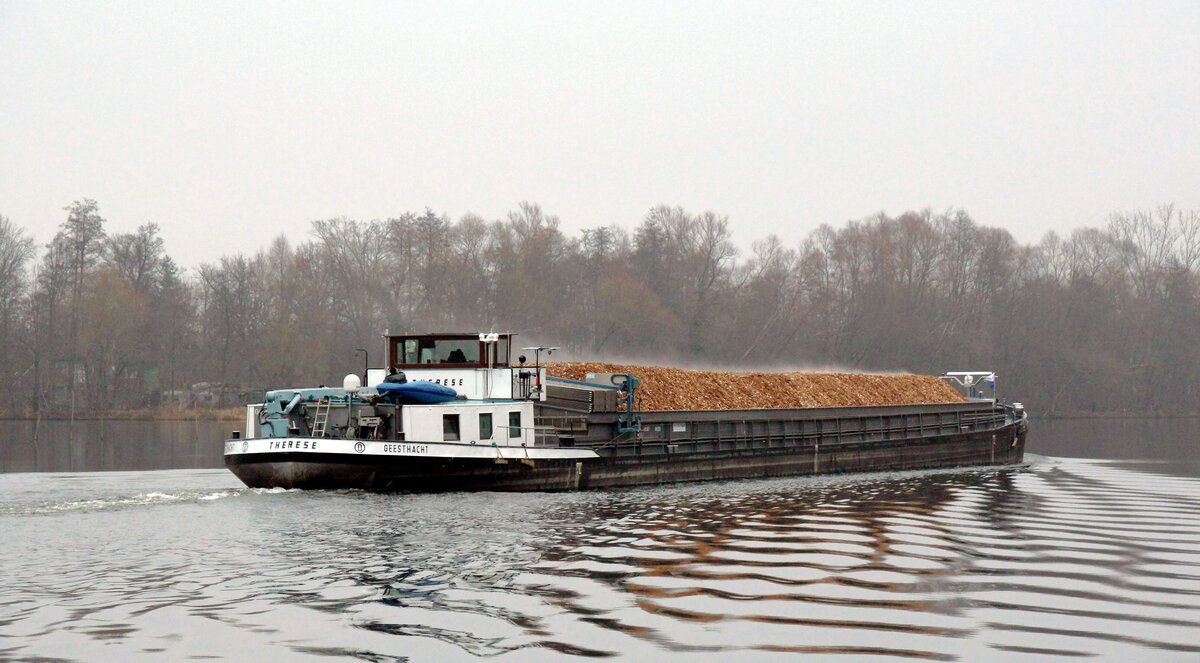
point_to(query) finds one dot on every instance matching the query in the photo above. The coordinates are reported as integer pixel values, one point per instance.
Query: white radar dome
(351, 383)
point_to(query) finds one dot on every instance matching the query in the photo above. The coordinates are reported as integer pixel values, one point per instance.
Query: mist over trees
(1105, 319)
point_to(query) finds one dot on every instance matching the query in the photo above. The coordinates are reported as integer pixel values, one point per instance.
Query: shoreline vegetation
(1105, 319)
(162, 413)
(238, 414)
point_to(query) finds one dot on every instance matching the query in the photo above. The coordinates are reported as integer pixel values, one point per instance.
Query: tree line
(1106, 319)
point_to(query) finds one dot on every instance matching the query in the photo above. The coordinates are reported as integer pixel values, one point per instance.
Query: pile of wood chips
(664, 388)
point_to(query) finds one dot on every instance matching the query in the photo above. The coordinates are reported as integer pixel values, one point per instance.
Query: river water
(1093, 550)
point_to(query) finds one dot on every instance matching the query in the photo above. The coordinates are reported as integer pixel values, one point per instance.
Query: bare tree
(16, 250)
(136, 256)
(1106, 318)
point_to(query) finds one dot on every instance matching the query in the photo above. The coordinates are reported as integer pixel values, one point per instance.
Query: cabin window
(485, 425)
(410, 351)
(514, 424)
(457, 351)
(426, 351)
(500, 352)
(450, 427)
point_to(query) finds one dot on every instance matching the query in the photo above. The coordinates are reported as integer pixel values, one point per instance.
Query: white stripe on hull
(327, 446)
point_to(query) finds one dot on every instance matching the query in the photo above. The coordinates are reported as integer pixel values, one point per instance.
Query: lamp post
(537, 363)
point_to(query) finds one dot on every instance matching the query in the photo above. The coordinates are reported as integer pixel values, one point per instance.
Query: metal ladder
(321, 417)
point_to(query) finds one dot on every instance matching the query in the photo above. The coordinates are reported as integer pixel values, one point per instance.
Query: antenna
(489, 339)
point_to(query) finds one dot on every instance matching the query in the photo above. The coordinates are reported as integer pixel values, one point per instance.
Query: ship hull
(440, 467)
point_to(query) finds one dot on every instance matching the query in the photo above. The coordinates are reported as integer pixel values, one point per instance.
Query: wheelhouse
(415, 351)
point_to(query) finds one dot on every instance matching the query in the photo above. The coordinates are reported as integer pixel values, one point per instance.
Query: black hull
(1003, 445)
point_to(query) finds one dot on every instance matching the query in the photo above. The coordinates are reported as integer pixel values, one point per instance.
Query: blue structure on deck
(420, 392)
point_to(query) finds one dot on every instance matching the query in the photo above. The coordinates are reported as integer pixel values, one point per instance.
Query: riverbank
(175, 413)
(1078, 416)
(162, 413)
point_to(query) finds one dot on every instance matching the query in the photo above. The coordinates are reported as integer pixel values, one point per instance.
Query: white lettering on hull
(293, 445)
(332, 446)
(406, 449)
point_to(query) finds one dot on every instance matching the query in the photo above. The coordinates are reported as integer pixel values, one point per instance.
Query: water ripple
(1066, 559)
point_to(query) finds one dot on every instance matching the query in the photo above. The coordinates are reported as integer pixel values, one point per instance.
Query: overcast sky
(228, 124)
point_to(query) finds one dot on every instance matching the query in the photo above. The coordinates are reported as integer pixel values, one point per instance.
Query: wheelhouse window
(448, 351)
(432, 351)
(450, 430)
(485, 425)
(514, 424)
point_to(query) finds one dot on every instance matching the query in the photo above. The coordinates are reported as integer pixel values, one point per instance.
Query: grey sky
(228, 124)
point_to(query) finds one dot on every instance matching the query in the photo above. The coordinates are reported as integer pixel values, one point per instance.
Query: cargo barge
(452, 412)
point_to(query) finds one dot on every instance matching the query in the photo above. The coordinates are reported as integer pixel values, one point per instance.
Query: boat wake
(115, 502)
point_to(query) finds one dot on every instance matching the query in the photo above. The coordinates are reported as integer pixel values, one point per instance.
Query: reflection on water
(1066, 558)
(1153, 441)
(159, 445)
(91, 446)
